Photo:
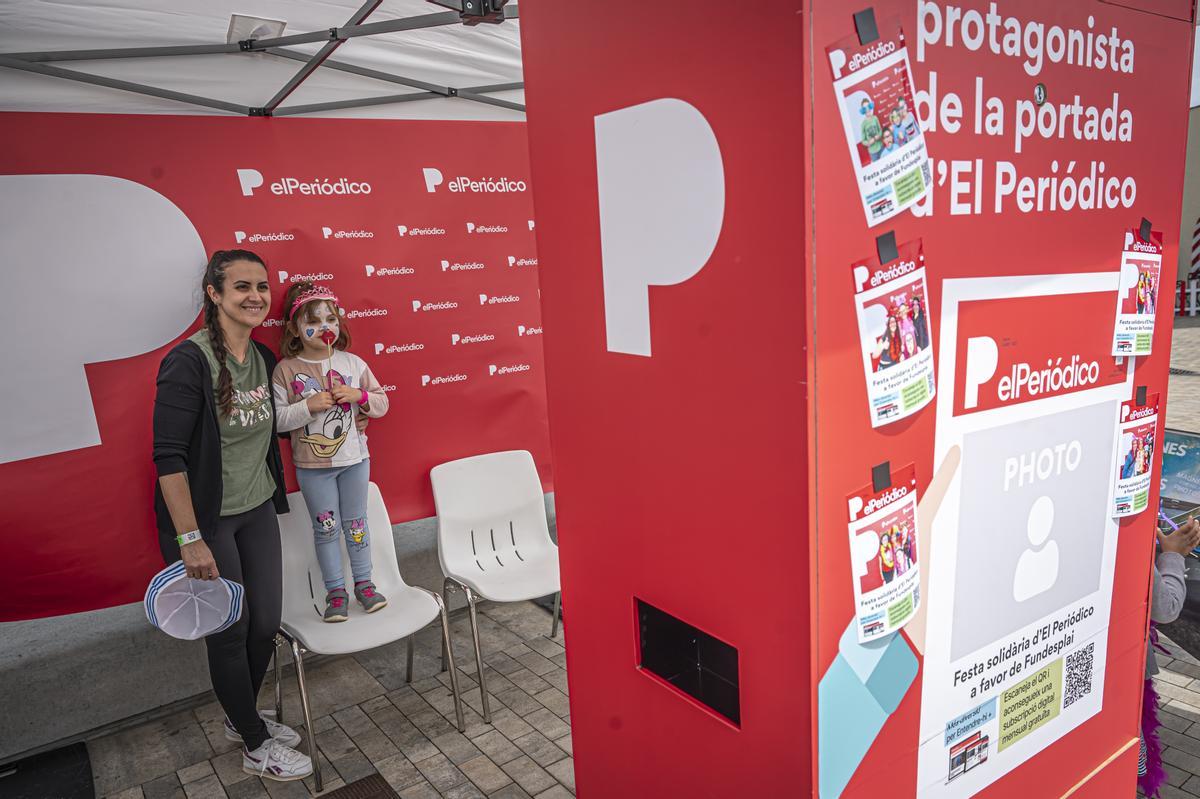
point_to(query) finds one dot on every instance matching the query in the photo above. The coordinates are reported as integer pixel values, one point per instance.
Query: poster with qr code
(1137, 300)
(1135, 457)
(1024, 532)
(874, 89)
(883, 554)
(891, 302)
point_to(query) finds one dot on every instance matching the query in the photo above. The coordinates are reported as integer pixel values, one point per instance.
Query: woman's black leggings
(246, 548)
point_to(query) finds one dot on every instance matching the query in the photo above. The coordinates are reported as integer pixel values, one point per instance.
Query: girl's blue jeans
(337, 501)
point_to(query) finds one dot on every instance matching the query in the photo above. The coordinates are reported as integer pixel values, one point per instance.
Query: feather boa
(1155, 775)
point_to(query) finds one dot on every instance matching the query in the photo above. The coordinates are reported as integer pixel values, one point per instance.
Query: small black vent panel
(689, 659)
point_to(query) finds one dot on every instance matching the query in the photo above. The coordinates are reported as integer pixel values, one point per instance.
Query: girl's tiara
(315, 293)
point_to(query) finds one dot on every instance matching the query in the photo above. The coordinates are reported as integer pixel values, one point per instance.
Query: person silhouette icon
(1037, 568)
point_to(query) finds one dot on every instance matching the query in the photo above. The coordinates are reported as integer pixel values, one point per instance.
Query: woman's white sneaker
(274, 761)
(280, 732)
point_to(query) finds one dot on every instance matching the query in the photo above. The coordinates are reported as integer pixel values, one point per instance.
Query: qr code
(1079, 674)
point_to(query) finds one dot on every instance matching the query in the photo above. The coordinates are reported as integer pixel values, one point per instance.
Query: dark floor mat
(372, 787)
(64, 773)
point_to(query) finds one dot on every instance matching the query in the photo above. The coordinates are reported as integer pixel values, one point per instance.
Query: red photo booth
(766, 294)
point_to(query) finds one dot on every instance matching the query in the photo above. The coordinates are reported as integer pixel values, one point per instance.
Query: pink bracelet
(365, 397)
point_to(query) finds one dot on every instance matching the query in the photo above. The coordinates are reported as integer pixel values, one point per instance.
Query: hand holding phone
(1183, 540)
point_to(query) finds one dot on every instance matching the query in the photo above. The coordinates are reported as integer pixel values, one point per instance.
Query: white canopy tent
(397, 59)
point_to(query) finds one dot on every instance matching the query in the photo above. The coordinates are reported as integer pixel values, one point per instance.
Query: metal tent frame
(41, 62)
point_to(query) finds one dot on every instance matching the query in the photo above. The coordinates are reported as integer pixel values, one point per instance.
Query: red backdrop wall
(446, 311)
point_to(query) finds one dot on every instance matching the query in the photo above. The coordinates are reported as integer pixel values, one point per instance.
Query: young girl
(323, 396)
(1168, 591)
(887, 558)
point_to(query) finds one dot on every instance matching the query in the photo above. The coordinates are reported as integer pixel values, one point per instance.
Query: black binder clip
(885, 246)
(864, 23)
(1139, 396)
(1144, 230)
(881, 476)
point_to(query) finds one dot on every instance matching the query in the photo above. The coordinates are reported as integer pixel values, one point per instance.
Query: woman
(887, 348)
(920, 324)
(220, 485)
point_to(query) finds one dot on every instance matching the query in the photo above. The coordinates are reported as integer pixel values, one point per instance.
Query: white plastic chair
(408, 611)
(493, 540)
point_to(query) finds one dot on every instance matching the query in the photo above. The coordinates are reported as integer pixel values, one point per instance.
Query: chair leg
(447, 587)
(298, 659)
(557, 612)
(409, 664)
(278, 680)
(458, 711)
(483, 693)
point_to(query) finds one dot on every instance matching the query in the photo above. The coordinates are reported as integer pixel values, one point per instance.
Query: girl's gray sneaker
(368, 597)
(337, 605)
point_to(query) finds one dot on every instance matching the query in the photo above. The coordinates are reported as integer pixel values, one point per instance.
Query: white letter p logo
(250, 179)
(433, 178)
(661, 185)
(982, 358)
(103, 214)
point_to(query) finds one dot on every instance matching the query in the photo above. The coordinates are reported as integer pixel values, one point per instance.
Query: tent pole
(311, 64)
(123, 85)
(125, 52)
(334, 105)
(348, 31)
(292, 110)
(467, 94)
(366, 72)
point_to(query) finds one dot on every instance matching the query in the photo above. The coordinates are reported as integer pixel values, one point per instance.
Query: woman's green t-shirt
(246, 432)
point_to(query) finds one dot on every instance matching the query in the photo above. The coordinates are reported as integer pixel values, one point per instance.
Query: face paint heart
(309, 332)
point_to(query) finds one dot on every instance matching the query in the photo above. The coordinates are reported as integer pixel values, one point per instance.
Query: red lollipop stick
(329, 337)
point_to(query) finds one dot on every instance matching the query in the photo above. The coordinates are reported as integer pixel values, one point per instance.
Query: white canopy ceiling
(447, 56)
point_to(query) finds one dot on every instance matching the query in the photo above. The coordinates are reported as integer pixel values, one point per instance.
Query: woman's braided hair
(214, 275)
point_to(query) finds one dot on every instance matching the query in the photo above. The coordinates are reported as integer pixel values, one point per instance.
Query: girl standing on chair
(323, 397)
(220, 486)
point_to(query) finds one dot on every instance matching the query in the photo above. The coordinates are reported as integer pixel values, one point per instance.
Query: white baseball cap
(189, 609)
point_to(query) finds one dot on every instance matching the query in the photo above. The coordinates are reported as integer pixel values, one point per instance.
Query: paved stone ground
(1178, 685)
(1183, 394)
(368, 720)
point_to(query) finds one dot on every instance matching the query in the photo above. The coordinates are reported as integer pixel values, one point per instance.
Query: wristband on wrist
(365, 397)
(188, 538)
